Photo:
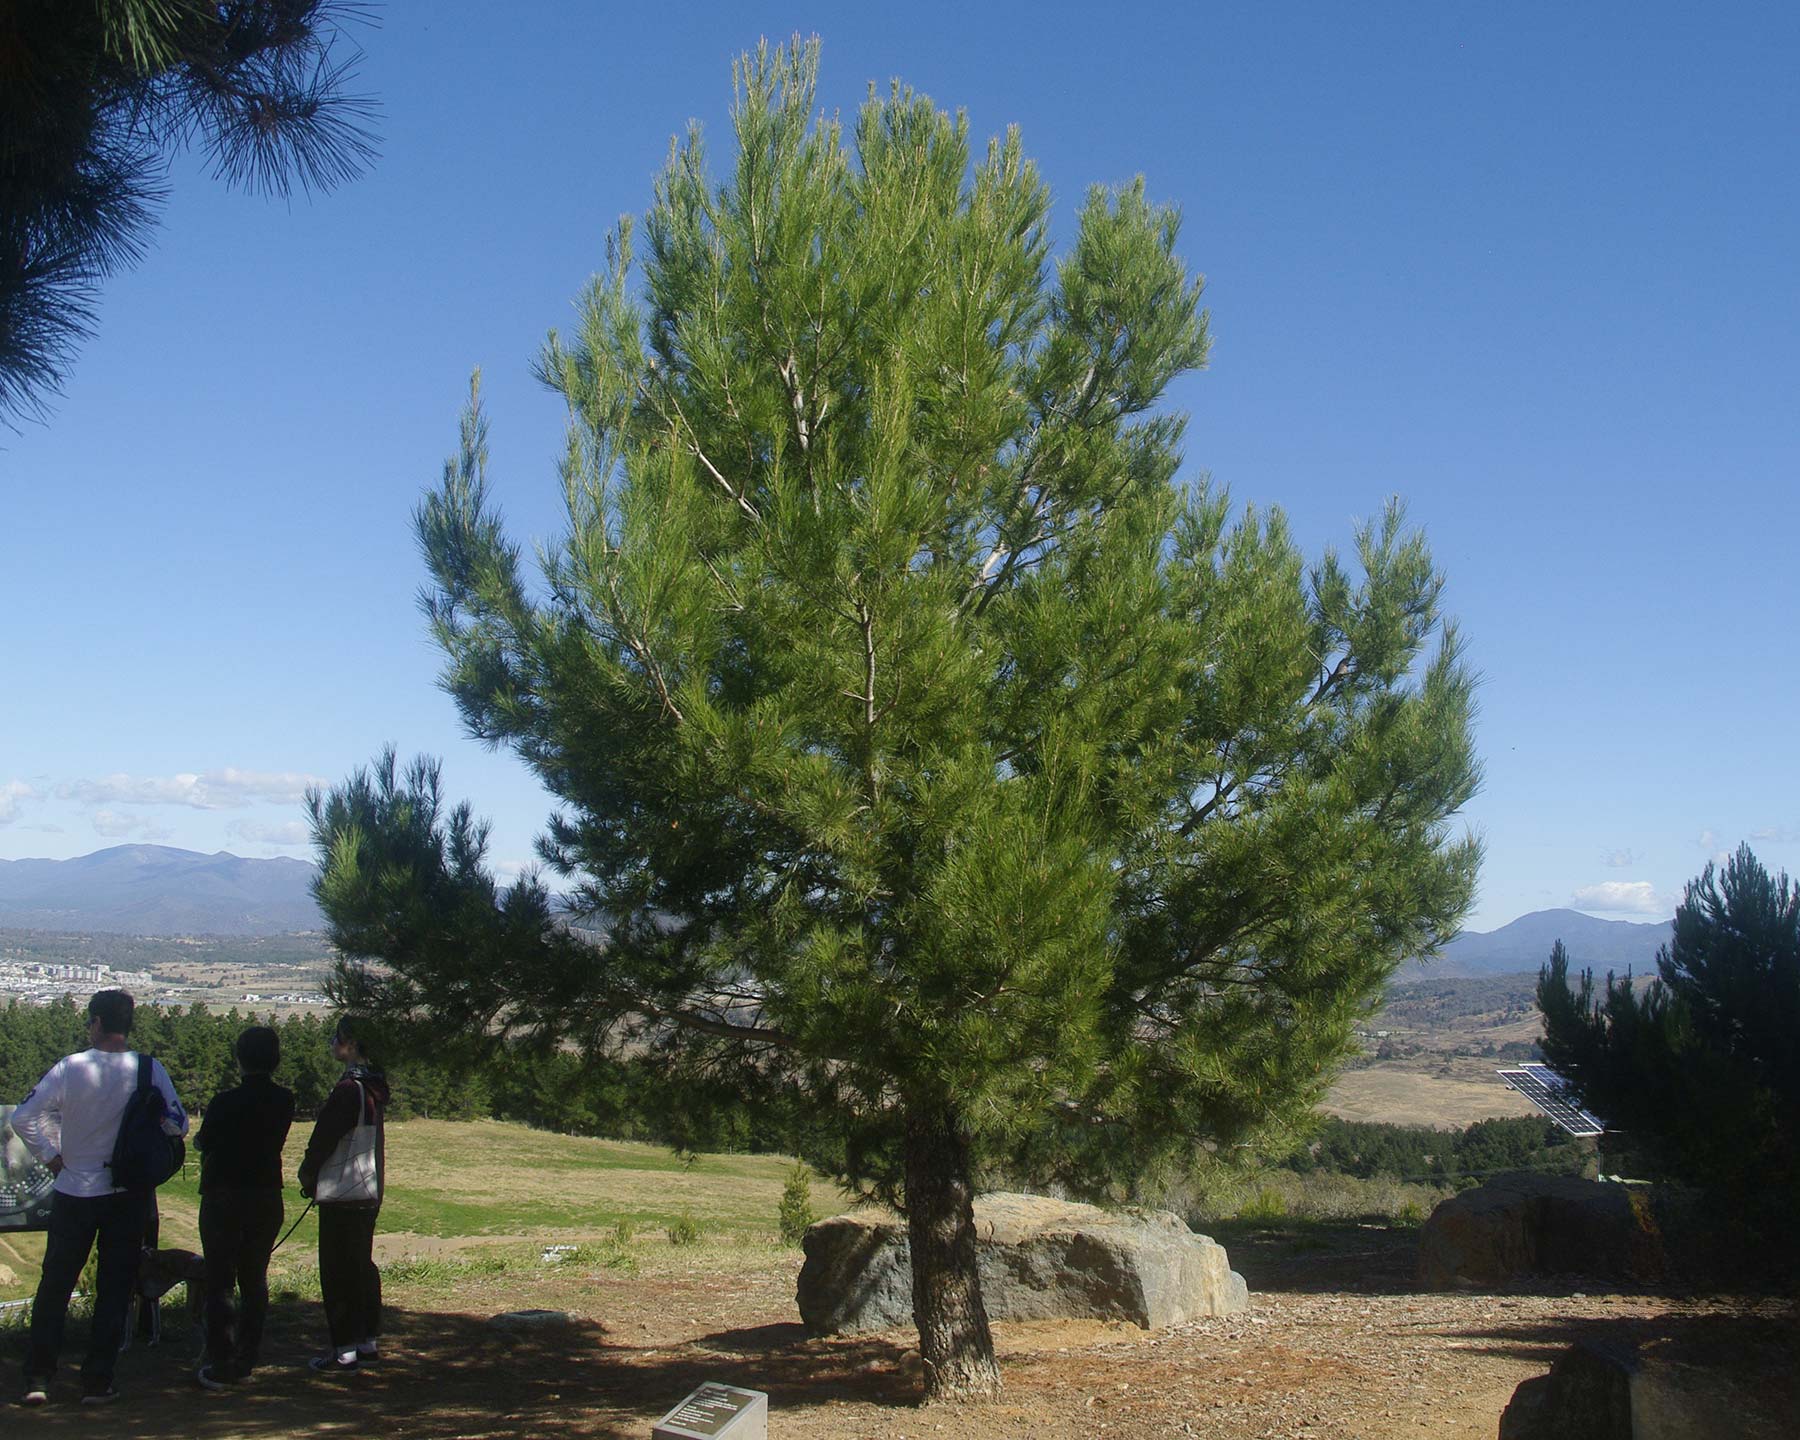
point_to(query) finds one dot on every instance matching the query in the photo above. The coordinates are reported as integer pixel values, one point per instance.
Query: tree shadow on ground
(1762, 1340)
(1739, 1366)
(1312, 1257)
(450, 1374)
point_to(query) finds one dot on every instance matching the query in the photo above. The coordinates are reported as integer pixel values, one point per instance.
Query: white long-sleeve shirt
(75, 1110)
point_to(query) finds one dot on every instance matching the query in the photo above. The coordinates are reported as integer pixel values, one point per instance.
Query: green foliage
(613, 1253)
(1213, 1194)
(795, 1213)
(98, 94)
(1699, 1068)
(684, 1230)
(930, 761)
(922, 745)
(441, 1272)
(1411, 1152)
(196, 1047)
(1266, 1205)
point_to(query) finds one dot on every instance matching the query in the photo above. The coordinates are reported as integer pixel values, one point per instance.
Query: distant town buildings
(34, 982)
(38, 983)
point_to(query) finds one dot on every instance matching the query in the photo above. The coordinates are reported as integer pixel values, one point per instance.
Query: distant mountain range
(1603, 945)
(157, 890)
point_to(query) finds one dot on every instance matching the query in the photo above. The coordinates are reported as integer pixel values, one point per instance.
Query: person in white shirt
(70, 1122)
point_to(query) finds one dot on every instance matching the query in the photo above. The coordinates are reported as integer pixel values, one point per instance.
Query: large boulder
(1040, 1259)
(1529, 1224)
(1586, 1396)
(1672, 1390)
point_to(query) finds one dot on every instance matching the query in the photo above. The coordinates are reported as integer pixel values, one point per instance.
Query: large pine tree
(925, 748)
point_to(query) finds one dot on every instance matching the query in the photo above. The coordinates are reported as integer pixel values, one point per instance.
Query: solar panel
(1547, 1090)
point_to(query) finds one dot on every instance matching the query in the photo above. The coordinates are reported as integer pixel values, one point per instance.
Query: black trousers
(348, 1279)
(238, 1228)
(77, 1223)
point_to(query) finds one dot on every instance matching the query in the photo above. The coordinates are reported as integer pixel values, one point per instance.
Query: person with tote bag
(344, 1171)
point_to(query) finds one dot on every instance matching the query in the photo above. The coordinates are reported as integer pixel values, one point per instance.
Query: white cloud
(115, 826)
(1621, 897)
(11, 793)
(289, 832)
(208, 790)
(1709, 840)
(1776, 834)
(1620, 859)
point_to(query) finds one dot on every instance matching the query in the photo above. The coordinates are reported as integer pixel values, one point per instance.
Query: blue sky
(1533, 268)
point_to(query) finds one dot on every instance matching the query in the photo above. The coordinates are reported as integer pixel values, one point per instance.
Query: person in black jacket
(348, 1278)
(240, 1144)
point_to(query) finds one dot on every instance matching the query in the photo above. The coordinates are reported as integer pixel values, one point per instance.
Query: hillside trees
(929, 757)
(94, 97)
(1699, 1069)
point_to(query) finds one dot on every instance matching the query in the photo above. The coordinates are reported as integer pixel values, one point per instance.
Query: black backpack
(143, 1156)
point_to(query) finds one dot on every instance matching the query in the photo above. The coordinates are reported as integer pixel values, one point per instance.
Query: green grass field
(461, 1187)
(467, 1194)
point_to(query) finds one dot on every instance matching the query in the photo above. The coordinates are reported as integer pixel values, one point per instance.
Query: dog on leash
(159, 1272)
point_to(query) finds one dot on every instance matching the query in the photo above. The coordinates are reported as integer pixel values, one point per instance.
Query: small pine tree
(795, 1212)
(1699, 1069)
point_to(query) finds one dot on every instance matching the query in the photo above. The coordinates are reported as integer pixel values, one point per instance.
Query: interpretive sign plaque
(25, 1185)
(717, 1412)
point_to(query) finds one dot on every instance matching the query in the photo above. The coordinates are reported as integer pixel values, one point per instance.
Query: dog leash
(295, 1226)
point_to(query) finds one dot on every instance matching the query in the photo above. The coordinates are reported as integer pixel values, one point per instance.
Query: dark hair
(259, 1050)
(113, 1009)
(356, 1030)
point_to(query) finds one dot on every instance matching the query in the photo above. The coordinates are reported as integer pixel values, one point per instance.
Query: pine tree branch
(693, 448)
(640, 649)
(724, 1029)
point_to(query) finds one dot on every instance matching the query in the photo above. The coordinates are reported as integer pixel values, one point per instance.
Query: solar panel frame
(1547, 1090)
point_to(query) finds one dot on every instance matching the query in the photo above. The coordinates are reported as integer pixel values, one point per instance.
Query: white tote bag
(351, 1172)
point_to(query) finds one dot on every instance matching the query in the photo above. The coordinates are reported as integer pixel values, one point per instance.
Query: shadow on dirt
(458, 1375)
(1312, 1257)
(1763, 1342)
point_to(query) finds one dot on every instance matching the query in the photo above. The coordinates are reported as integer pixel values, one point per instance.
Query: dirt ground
(1335, 1345)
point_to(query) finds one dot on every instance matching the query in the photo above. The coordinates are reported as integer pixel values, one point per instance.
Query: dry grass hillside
(1431, 1053)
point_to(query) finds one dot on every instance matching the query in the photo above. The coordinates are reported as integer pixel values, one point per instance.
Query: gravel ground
(1335, 1344)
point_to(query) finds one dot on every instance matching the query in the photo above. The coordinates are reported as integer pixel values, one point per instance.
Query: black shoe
(101, 1392)
(36, 1392)
(331, 1363)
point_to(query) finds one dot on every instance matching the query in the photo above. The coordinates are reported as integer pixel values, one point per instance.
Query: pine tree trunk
(954, 1340)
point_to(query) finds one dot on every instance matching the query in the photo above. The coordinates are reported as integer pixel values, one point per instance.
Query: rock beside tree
(1690, 1387)
(1527, 1223)
(1039, 1259)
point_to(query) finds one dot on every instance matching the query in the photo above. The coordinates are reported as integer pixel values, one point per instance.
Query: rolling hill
(158, 890)
(1524, 944)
